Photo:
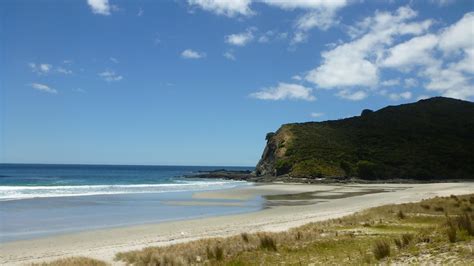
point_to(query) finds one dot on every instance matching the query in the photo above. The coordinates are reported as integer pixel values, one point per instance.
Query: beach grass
(406, 233)
(412, 233)
(73, 261)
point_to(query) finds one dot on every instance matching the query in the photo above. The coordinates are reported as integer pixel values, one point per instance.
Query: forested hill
(429, 139)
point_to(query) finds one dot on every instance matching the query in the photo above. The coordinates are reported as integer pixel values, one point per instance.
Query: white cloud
(352, 96)
(410, 82)
(398, 96)
(322, 19)
(101, 7)
(416, 51)
(114, 60)
(191, 54)
(271, 35)
(321, 15)
(306, 4)
(229, 55)
(63, 70)
(297, 77)
(43, 88)
(390, 82)
(225, 7)
(442, 2)
(240, 39)
(422, 97)
(443, 60)
(40, 68)
(140, 12)
(316, 115)
(458, 36)
(285, 91)
(110, 76)
(355, 63)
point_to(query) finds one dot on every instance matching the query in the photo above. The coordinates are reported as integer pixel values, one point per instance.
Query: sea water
(43, 200)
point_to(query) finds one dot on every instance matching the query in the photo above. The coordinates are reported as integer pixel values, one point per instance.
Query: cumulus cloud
(451, 73)
(191, 54)
(285, 91)
(224, 7)
(114, 60)
(110, 76)
(442, 61)
(100, 7)
(414, 52)
(40, 68)
(240, 39)
(43, 88)
(354, 63)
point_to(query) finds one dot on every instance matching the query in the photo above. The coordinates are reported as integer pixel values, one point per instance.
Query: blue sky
(201, 82)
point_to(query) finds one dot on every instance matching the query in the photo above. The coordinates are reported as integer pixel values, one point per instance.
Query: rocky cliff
(429, 139)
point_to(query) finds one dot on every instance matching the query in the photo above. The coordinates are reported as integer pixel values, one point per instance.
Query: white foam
(28, 192)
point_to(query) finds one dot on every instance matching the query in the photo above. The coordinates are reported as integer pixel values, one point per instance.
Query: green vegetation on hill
(429, 139)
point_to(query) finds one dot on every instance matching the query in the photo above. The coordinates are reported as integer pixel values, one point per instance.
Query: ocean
(43, 200)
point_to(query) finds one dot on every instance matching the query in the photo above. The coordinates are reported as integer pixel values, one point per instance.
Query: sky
(201, 82)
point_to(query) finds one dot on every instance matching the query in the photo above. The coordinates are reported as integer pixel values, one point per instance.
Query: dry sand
(312, 203)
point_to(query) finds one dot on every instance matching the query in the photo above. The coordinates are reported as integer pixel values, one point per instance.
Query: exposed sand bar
(311, 203)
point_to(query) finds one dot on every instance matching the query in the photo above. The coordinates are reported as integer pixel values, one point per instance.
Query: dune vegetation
(438, 230)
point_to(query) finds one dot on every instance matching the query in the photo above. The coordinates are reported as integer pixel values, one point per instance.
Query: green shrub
(368, 170)
(283, 166)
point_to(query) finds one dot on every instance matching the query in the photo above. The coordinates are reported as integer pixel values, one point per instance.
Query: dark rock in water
(224, 174)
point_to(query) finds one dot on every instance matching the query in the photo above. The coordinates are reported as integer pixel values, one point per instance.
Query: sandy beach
(288, 205)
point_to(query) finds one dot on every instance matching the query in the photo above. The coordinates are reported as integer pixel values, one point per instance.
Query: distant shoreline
(309, 203)
(251, 177)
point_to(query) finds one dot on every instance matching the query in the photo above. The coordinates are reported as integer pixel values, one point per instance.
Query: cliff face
(274, 151)
(430, 139)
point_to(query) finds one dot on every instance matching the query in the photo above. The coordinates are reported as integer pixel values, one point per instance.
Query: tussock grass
(73, 261)
(465, 223)
(245, 237)
(381, 249)
(368, 237)
(267, 242)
